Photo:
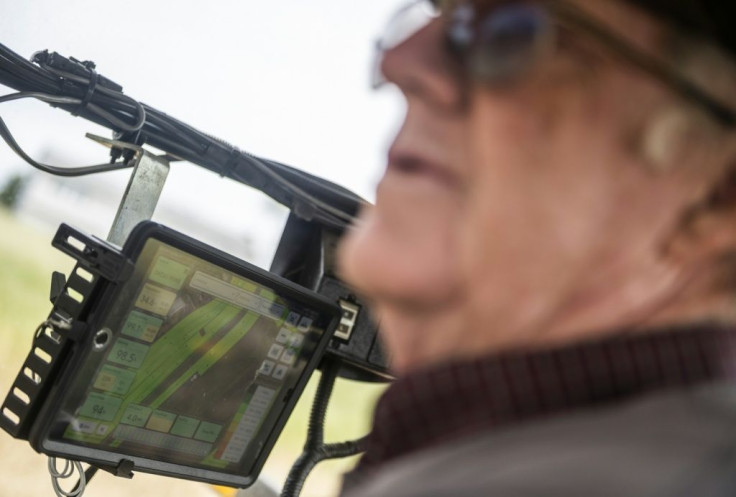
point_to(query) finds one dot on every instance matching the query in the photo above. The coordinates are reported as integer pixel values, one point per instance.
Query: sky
(285, 80)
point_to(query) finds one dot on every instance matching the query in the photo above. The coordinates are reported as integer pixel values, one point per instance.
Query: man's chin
(417, 338)
(382, 268)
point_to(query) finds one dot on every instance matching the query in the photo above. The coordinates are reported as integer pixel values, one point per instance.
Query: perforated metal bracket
(96, 255)
(98, 262)
(31, 386)
(21, 405)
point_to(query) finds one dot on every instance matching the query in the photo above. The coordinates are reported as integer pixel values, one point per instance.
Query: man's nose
(423, 68)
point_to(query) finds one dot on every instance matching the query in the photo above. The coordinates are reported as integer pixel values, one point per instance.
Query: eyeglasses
(500, 43)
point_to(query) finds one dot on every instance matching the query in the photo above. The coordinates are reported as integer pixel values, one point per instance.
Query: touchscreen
(198, 363)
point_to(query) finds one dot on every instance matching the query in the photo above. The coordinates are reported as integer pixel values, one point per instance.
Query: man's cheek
(393, 256)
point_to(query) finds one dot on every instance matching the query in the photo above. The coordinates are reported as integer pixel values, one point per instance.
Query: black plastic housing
(306, 256)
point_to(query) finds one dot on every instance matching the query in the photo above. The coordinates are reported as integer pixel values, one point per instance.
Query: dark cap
(713, 20)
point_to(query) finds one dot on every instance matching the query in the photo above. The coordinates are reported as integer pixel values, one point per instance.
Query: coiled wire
(67, 471)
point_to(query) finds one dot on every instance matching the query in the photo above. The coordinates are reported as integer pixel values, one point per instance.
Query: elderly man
(552, 253)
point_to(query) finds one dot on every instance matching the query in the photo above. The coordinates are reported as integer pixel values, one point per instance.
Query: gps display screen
(191, 364)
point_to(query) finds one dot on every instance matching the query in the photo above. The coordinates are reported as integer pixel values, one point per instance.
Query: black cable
(267, 169)
(58, 171)
(334, 217)
(39, 79)
(46, 97)
(315, 450)
(87, 82)
(89, 473)
(67, 84)
(340, 450)
(315, 433)
(94, 108)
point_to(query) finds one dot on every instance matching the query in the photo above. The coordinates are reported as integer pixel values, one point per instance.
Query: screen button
(289, 356)
(136, 415)
(295, 341)
(275, 351)
(85, 426)
(185, 427)
(207, 432)
(267, 367)
(280, 371)
(304, 324)
(283, 336)
(161, 421)
(292, 319)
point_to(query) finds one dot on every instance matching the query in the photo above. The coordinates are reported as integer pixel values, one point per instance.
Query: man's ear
(665, 142)
(661, 140)
(707, 232)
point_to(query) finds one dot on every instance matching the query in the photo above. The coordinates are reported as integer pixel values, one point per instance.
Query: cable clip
(232, 161)
(94, 78)
(57, 327)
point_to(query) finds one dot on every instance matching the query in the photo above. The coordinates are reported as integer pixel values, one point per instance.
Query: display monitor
(192, 365)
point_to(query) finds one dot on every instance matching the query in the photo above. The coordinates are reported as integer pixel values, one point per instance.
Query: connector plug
(348, 319)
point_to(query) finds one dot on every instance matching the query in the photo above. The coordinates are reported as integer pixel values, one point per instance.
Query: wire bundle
(315, 449)
(75, 86)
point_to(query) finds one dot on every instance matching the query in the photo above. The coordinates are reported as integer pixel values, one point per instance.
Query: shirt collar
(457, 399)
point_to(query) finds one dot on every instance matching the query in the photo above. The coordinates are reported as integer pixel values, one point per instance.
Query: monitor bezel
(79, 353)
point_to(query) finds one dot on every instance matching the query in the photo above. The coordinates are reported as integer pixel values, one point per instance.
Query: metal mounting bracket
(143, 191)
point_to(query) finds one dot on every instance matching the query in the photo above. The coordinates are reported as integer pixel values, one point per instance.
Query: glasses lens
(508, 41)
(405, 23)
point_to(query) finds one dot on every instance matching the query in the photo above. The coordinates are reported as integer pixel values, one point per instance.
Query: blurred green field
(26, 262)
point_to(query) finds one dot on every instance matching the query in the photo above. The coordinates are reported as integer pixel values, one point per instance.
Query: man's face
(503, 210)
(403, 256)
